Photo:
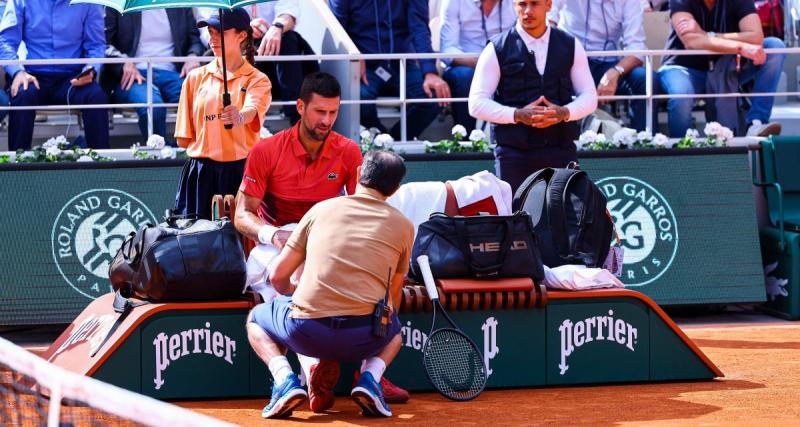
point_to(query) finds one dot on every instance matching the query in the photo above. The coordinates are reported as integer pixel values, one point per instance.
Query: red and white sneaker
(324, 376)
(391, 392)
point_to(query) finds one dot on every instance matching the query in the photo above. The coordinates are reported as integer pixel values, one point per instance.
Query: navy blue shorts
(343, 338)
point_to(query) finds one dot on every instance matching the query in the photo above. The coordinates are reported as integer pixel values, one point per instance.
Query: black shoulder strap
(524, 188)
(555, 207)
(124, 306)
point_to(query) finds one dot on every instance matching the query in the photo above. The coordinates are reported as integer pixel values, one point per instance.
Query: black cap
(237, 19)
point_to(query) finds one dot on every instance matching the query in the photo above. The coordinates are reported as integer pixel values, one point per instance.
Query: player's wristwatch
(279, 25)
(620, 70)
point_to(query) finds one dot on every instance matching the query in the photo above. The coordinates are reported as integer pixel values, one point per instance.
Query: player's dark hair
(382, 171)
(321, 83)
(249, 47)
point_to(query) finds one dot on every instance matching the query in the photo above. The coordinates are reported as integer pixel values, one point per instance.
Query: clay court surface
(761, 362)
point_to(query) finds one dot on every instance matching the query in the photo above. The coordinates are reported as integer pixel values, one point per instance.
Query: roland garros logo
(644, 219)
(87, 233)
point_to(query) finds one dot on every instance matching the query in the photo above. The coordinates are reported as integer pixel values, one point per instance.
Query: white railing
(401, 101)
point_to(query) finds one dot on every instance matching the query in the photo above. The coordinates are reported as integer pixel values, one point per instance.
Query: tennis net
(34, 392)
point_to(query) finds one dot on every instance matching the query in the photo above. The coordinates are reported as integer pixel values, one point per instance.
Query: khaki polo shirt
(352, 246)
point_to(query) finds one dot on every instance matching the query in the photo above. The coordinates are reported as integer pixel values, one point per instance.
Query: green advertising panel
(511, 342)
(596, 342)
(688, 223)
(204, 353)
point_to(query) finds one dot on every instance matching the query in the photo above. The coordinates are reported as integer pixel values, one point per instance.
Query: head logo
(87, 233)
(646, 224)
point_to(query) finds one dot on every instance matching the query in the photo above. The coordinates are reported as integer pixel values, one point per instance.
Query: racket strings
(454, 366)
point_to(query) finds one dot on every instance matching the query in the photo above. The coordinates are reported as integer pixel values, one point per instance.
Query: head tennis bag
(181, 260)
(569, 217)
(478, 247)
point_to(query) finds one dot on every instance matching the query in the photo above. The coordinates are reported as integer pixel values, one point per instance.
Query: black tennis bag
(181, 260)
(478, 247)
(569, 217)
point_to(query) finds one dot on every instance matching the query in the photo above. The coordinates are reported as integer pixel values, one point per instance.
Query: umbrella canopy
(125, 6)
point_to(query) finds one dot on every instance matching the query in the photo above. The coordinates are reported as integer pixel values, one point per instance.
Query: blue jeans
(676, 79)
(419, 116)
(459, 77)
(166, 89)
(343, 338)
(54, 89)
(632, 83)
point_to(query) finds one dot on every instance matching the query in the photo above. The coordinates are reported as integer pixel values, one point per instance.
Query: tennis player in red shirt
(288, 173)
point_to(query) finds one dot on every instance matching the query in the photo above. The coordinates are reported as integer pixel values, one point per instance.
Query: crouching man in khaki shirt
(354, 247)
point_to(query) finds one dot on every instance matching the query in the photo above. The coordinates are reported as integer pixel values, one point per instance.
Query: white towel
(579, 277)
(418, 200)
(480, 186)
(259, 264)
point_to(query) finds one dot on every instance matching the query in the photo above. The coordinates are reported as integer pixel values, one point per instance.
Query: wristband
(266, 233)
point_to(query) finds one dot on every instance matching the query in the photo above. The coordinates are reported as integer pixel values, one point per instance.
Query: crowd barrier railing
(401, 101)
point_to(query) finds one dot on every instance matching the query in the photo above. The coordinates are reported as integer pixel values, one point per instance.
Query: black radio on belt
(381, 316)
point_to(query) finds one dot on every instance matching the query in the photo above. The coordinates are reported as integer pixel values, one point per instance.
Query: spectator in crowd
(54, 29)
(349, 245)
(169, 32)
(467, 25)
(524, 83)
(393, 26)
(217, 155)
(285, 175)
(602, 25)
(273, 25)
(731, 27)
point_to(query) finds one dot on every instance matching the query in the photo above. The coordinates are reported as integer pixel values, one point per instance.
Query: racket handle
(427, 277)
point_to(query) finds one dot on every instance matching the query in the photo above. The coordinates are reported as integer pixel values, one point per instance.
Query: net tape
(35, 392)
(454, 365)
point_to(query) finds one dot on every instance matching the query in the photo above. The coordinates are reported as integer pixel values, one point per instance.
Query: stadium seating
(780, 241)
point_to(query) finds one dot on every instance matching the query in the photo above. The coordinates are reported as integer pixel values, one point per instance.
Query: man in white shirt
(524, 85)
(466, 27)
(273, 26)
(601, 25)
(167, 32)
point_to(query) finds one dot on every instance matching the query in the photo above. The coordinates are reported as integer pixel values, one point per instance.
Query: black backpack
(569, 217)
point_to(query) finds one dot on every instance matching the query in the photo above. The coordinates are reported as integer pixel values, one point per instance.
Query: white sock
(375, 366)
(279, 368)
(306, 362)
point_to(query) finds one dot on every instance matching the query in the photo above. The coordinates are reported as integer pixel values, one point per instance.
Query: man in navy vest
(524, 85)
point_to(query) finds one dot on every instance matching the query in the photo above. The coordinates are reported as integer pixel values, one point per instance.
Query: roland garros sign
(87, 233)
(646, 223)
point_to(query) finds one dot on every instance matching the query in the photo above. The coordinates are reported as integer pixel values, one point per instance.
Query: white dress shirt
(609, 22)
(487, 76)
(268, 11)
(462, 29)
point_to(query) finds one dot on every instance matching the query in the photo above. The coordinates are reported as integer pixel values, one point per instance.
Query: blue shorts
(342, 338)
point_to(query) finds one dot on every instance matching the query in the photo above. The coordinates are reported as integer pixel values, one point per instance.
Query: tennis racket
(452, 361)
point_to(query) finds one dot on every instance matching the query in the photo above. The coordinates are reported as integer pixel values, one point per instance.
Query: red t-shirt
(280, 172)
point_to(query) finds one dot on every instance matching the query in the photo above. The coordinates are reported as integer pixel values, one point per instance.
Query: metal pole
(150, 98)
(648, 69)
(403, 122)
(226, 97)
